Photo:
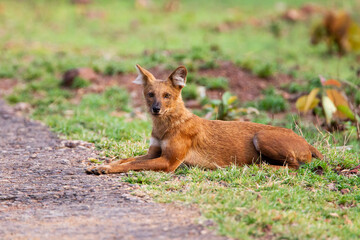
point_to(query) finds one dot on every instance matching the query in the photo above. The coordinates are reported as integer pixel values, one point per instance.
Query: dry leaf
(339, 100)
(311, 98)
(332, 82)
(329, 108)
(300, 103)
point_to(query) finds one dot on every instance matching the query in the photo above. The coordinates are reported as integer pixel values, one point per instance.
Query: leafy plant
(190, 92)
(272, 102)
(226, 108)
(266, 70)
(247, 64)
(80, 83)
(335, 105)
(295, 87)
(214, 83)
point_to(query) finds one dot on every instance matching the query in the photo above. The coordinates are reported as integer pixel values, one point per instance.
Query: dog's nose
(156, 109)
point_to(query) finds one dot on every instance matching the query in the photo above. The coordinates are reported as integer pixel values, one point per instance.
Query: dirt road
(45, 193)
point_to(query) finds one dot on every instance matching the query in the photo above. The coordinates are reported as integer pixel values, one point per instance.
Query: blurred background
(70, 64)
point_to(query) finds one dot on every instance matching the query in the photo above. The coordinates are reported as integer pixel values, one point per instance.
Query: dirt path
(45, 193)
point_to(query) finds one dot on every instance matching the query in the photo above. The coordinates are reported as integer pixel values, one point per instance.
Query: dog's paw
(97, 170)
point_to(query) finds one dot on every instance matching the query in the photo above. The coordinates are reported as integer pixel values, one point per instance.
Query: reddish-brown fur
(334, 30)
(179, 136)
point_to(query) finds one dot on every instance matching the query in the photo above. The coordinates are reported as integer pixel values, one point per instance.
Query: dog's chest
(193, 157)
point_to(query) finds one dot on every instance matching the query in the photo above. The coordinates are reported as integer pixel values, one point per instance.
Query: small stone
(85, 207)
(334, 215)
(345, 191)
(71, 144)
(64, 161)
(22, 107)
(332, 187)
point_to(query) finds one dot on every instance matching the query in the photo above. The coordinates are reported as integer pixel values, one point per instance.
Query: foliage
(226, 108)
(272, 102)
(266, 70)
(80, 83)
(214, 83)
(190, 92)
(335, 104)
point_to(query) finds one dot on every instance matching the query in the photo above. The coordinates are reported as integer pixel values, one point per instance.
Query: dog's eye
(151, 94)
(167, 95)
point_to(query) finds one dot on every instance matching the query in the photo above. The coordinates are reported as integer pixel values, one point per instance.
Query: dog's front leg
(155, 164)
(172, 155)
(154, 152)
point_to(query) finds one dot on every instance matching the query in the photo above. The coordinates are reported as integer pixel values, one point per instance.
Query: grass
(252, 202)
(42, 39)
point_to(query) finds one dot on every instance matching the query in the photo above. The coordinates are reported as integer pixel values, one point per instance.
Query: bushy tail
(315, 153)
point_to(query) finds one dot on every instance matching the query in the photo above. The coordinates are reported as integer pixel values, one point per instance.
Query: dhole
(334, 30)
(178, 136)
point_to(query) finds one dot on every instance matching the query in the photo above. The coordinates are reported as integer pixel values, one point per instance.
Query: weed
(265, 71)
(272, 102)
(112, 69)
(214, 83)
(190, 92)
(80, 83)
(247, 64)
(295, 87)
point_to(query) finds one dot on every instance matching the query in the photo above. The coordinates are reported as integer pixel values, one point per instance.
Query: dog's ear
(178, 77)
(144, 76)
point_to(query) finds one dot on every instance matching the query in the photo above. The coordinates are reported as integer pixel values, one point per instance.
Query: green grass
(40, 40)
(212, 83)
(252, 202)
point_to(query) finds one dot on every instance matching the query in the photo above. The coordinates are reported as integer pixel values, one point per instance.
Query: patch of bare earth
(7, 85)
(243, 83)
(46, 194)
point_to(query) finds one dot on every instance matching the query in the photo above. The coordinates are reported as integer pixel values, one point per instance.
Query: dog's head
(162, 96)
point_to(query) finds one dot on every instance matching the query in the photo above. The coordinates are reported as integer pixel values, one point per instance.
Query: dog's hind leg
(283, 147)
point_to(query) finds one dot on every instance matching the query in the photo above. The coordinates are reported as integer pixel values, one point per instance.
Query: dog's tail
(315, 153)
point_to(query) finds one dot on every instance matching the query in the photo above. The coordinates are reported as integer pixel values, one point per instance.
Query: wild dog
(334, 30)
(178, 136)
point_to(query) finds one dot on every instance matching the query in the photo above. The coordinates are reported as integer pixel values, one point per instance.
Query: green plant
(117, 98)
(335, 104)
(227, 108)
(214, 83)
(265, 71)
(295, 87)
(224, 108)
(210, 64)
(112, 69)
(80, 83)
(357, 98)
(190, 92)
(247, 64)
(272, 102)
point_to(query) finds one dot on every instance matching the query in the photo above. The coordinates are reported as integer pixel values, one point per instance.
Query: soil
(45, 193)
(244, 84)
(6, 86)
